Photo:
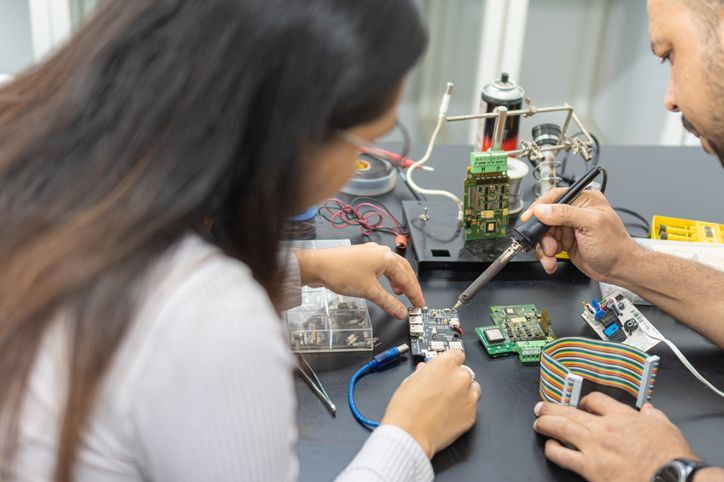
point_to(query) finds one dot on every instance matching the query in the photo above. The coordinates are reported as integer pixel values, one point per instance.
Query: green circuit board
(521, 329)
(486, 189)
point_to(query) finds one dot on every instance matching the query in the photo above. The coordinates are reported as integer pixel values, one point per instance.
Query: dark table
(674, 181)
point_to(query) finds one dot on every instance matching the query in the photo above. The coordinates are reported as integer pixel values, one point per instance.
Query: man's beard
(716, 145)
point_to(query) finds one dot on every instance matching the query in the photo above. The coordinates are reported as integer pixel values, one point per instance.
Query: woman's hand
(437, 403)
(354, 271)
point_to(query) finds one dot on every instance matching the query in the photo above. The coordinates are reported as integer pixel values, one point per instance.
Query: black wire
(638, 226)
(645, 225)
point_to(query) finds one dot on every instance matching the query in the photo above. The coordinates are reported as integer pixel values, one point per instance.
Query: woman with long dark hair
(146, 171)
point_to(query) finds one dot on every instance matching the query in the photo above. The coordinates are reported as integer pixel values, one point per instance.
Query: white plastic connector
(647, 380)
(572, 388)
(445, 104)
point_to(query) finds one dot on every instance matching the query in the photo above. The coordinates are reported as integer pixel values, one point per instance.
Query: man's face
(681, 35)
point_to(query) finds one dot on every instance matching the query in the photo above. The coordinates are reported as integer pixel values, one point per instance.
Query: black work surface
(674, 181)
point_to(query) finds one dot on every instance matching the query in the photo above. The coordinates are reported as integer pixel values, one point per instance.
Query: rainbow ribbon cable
(565, 362)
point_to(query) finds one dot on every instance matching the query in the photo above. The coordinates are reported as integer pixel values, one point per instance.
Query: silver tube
(564, 127)
(511, 113)
(499, 129)
(583, 129)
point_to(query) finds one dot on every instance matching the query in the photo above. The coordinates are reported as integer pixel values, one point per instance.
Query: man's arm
(690, 292)
(597, 242)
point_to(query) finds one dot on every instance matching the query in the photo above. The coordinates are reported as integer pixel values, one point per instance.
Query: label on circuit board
(433, 331)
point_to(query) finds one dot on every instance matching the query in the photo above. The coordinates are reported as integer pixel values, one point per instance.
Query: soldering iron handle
(529, 233)
(575, 189)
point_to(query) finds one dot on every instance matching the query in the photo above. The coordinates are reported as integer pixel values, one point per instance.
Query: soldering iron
(526, 235)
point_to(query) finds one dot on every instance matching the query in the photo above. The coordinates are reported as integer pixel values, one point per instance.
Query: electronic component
(433, 331)
(637, 331)
(565, 362)
(486, 200)
(326, 321)
(615, 318)
(494, 335)
(529, 351)
(521, 329)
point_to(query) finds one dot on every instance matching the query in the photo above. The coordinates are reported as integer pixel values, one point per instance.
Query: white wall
(16, 46)
(593, 54)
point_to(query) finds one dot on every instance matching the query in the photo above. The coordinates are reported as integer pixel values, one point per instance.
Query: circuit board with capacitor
(486, 202)
(615, 318)
(521, 329)
(433, 331)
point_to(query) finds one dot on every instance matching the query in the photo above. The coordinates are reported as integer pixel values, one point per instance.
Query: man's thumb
(562, 215)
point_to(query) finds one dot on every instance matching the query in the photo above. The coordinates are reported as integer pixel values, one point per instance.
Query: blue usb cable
(384, 358)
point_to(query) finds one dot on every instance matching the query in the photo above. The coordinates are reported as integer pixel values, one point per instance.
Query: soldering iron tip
(457, 305)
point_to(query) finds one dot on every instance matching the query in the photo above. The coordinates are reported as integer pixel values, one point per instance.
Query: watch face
(672, 472)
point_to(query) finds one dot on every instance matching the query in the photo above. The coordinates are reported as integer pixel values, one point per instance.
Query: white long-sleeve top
(201, 389)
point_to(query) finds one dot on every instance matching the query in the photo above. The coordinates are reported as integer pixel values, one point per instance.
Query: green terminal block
(529, 351)
(486, 189)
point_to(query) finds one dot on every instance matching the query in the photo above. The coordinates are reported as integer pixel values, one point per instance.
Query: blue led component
(611, 330)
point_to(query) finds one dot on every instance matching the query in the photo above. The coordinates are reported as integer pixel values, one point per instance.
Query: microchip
(510, 311)
(494, 335)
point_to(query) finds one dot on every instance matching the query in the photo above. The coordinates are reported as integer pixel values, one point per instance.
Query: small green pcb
(494, 341)
(486, 189)
(521, 329)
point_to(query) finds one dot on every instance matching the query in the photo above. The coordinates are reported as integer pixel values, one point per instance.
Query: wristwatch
(678, 470)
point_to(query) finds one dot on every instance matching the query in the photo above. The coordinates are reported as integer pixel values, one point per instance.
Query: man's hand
(354, 271)
(611, 440)
(589, 230)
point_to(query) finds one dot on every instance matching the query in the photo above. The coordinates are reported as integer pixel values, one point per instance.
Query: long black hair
(157, 116)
